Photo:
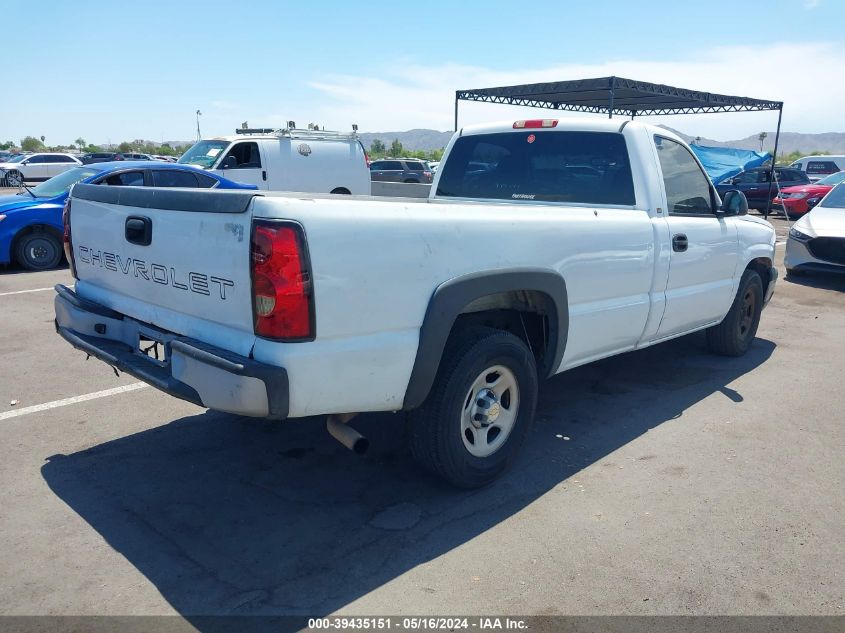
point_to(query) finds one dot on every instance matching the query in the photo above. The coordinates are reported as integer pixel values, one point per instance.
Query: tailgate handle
(139, 230)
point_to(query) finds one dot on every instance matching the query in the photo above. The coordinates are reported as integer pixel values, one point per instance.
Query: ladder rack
(299, 133)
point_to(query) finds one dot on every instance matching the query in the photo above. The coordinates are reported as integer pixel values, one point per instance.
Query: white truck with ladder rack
(288, 159)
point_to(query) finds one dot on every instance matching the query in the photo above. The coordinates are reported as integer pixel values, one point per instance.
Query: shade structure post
(612, 95)
(774, 160)
(456, 110)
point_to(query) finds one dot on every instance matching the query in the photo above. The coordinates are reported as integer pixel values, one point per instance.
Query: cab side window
(687, 188)
(173, 178)
(245, 155)
(124, 179)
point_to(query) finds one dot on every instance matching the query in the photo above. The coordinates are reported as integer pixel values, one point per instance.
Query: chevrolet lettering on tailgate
(199, 283)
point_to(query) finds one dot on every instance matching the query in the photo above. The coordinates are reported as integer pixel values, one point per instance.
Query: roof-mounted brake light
(534, 123)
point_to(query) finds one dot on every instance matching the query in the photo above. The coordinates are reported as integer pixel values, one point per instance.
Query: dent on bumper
(196, 372)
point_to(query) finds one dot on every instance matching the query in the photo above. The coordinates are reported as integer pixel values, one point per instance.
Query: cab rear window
(575, 167)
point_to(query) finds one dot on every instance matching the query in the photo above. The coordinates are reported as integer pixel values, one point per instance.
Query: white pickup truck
(544, 245)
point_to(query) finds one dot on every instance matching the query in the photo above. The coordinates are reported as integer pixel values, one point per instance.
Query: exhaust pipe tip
(361, 446)
(346, 435)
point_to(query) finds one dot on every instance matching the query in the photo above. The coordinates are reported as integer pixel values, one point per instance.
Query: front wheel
(479, 410)
(733, 336)
(38, 251)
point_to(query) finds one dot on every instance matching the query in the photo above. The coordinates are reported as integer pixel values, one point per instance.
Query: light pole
(199, 136)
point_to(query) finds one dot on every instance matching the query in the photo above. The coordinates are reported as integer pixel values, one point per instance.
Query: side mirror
(812, 202)
(734, 203)
(230, 162)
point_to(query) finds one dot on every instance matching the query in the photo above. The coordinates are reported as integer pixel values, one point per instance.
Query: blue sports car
(31, 220)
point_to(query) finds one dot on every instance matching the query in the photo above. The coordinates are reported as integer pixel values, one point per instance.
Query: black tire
(38, 250)
(435, 429)
(733, 336)
(341, 190)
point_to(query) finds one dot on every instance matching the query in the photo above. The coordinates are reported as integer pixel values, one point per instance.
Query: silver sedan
(817, 241)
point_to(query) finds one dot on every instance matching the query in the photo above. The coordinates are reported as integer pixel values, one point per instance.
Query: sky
(113, 71)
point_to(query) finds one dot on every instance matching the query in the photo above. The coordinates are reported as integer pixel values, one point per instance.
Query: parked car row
(39, 166)
(105, 157)
(31, 220)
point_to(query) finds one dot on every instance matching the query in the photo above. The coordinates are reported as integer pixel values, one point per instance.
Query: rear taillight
(282, 294)
(67, 238)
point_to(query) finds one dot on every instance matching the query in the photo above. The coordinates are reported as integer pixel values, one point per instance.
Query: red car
(800, 199)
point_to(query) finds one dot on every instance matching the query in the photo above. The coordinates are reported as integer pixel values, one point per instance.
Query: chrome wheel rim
(489, 411)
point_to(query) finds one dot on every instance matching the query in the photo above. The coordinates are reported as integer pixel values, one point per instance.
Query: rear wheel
(38, 250)
(14, 178)
(733, 336)
(479, 410)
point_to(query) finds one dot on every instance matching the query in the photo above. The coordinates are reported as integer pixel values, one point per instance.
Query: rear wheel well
(523, 313)
(761, 266)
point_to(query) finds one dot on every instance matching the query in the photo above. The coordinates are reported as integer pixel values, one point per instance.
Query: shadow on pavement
(233, 516)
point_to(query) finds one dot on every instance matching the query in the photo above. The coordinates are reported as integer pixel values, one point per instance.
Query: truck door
(704, 247)
(244, 163)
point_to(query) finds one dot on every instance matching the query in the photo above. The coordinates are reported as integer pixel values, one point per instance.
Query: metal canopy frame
(617, 95)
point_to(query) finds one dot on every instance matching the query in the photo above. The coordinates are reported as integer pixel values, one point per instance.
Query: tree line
(33, 144)
(379, 150)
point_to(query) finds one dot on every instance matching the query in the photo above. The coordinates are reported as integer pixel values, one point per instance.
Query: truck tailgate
(178, 259)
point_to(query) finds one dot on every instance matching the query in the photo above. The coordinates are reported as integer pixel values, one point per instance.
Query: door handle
(264, 175)
(139, 230)
(679, 243)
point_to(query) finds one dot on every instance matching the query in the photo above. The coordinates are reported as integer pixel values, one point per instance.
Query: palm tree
(80, 143)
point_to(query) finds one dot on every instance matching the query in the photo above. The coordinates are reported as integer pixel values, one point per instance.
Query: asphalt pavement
(665, 481)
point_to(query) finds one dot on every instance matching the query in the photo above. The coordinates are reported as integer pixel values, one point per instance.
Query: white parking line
(6, 415)
(20, 292)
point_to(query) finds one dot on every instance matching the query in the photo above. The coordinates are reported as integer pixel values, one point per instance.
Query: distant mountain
(830, 142)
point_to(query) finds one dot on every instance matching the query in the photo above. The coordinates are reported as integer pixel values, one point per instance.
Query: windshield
(18, 158)
(61, 183)
(836, 197)
(204, 153)
(833, 179)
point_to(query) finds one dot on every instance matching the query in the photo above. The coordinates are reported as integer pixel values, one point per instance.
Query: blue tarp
(724, 162)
